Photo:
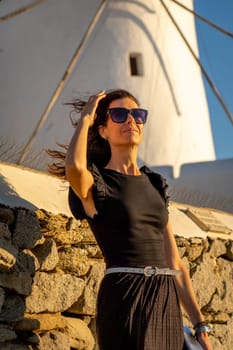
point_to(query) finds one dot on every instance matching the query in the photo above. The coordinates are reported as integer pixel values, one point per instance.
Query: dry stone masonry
(50, 271)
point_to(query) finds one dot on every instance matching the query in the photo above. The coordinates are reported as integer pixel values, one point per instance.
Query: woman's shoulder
(158, 181)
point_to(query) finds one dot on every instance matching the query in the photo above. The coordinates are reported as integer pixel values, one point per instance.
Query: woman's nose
(130, 118)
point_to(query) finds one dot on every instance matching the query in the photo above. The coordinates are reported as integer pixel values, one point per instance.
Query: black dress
(134, 312)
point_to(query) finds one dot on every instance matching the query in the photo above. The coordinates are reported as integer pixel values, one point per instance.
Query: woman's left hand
(203, 339)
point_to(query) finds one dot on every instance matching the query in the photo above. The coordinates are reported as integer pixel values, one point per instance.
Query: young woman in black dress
(138, 306)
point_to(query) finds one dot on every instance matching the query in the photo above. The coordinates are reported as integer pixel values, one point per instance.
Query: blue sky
(216, 54)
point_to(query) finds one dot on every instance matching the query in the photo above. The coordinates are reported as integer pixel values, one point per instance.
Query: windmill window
(135, 61)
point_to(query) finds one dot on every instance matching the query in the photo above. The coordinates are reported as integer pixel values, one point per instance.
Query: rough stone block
(87, 303)
(78, 330)
(6, 215)
(13, 309)
(223, 298)
(229, 253)
(4, 231)
(74, 260)
(20, 282)
(55, 340)
(6, 334)
(53, 292)
(26, 233)
(217, 247)
(204, 280)
(194, 251)
(51, 224)
(8, 254)
(25, 262)
(27, 324)
(42, 322)
(47, 255)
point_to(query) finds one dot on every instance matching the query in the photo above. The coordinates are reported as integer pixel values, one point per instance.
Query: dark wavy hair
(98, 149)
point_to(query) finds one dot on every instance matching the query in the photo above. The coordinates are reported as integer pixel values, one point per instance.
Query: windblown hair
(98, 149)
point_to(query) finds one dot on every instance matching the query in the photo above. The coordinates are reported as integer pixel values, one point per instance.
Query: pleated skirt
(136, 312)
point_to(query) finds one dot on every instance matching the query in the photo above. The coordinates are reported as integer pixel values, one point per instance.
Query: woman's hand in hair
(89, 111)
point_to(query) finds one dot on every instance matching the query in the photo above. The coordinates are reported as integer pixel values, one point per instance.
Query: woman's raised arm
(77, 173)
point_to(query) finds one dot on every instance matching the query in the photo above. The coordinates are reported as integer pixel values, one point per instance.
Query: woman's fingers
(102, 92)
(93, 100)
(97, 97)
(92, 104)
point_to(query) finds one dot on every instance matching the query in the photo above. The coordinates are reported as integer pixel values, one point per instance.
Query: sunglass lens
(118, 115)
(139, 115)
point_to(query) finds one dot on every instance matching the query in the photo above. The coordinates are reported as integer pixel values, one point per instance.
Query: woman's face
(126, 133)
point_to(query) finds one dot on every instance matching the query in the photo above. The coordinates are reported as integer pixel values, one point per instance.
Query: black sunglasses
(120, 115)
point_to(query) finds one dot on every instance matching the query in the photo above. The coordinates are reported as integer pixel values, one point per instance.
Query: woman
(138, 302)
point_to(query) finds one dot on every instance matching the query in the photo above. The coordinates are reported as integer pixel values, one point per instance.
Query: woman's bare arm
(77, 173)
(184, 284)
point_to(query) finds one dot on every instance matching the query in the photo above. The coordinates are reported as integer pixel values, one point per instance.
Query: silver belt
(147, 270)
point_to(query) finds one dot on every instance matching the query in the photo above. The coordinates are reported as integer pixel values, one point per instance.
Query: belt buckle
(146, 271)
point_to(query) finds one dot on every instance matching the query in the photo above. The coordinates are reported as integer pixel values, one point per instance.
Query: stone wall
(50, 270)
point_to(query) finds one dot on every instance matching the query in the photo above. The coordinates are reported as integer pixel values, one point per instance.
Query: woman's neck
(125, 163)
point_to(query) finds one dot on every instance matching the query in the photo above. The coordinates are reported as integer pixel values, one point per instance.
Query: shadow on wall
(11, 153)
(205, 184)
(9, 196)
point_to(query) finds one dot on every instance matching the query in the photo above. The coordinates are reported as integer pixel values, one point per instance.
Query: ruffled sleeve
(159, 182)
(98, 192)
